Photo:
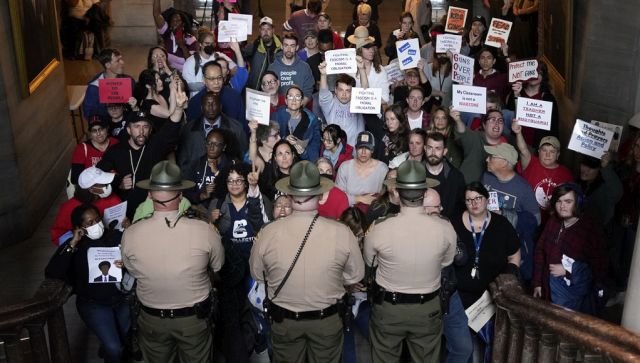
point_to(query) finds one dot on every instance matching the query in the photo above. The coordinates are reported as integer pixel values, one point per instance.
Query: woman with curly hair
(396, 137)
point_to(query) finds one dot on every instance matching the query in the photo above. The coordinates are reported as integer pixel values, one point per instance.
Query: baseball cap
(479, 18)
(551, 140)
(97, 120)
(266, 20)
(365, 139)
(91, 176)
(504, 151)
(137, 117)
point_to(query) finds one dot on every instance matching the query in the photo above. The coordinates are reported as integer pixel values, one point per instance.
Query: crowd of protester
(514, 207)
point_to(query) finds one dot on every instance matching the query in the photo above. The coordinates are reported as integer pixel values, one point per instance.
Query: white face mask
(96, 231)
(106, 191)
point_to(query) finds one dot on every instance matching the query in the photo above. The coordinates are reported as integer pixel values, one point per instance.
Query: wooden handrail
(591, 333)
(45, 307)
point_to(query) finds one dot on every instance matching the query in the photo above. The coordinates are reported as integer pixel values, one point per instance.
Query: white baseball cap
(266, 20)
(92, 176)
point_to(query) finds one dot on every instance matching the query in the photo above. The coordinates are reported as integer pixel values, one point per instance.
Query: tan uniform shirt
(411, 249)
(171, 264)
(330, 259)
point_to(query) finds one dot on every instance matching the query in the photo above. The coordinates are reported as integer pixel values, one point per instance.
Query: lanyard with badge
(475, 271)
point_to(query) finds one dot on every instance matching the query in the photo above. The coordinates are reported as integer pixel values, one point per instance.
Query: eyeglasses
(496, 120)
(214, 145)
(475, 200)
(296, 97)
(158, 56)
(216, 79)
(269, 83)
(235, 181)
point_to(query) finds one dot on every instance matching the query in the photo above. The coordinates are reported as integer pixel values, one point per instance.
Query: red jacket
(62, 223)
(345, 154)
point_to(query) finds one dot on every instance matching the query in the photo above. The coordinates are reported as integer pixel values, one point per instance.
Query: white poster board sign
(590, 139)
(232, 30)
(448, 42)
(341, 61)
(258, 106)
(480, 312)
(247, 19)
(534, 113)
(498, 32)
(523, 70)
(408, 53)
(462, 71)
(393, 71)
(365, 100)
(469, 99)
(116, 213)
(456, 18)
(102, 264)
(617, 133)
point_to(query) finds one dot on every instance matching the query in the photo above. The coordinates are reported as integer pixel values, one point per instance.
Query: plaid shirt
(583, 241)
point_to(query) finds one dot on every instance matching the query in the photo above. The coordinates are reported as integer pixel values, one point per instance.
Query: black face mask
(443, 60)
(328, 176)
(208, 49)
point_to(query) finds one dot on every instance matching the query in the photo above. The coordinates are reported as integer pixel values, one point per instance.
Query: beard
(434, 160)
(140, 140)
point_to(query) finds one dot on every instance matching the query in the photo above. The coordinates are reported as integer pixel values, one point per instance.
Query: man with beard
(451, 180)
(230, 99)
(261, 52)
(193, 139)
(132, 160)
(293, 70)
(473, 142)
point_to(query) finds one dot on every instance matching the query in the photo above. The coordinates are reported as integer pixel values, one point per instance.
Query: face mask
(208, 49)
(328, 176)
(443, 60)
(96, 231)
(106, 191)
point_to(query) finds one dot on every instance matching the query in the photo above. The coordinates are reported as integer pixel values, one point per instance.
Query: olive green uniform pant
(307, 340)
(162, 340)
(419, 324)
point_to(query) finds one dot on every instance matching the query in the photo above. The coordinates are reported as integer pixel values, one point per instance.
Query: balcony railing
(530, 330)
(22, 326)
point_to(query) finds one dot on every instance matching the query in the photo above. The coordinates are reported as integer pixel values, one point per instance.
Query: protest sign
(469, 99)
(116, 213)
(102, 264)
(247, 19)
(617, 133)
(523, 70)
(590, 139)
(232, 31)
(341, 61)
(393, 71)
(462, 71)
(258, 106)
(365, 100)
(448, 42)
(114, 90)
(498, 32)
(480, 312)
(408, 53)
(534, 113)
(456, 18)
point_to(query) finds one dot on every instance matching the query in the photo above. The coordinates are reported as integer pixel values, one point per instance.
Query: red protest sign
(114, 90)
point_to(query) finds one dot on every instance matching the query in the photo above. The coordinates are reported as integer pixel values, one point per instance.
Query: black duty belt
(305, 315)
(169, 313)
(400, 298)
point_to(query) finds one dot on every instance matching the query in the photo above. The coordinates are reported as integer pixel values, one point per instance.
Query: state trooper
(409, 249)
(306, 261)
(171, 256)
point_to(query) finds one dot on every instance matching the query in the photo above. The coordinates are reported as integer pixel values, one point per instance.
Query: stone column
(631, 312)
(133, 22)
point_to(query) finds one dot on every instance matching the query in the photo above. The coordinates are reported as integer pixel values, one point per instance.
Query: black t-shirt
(499, 242)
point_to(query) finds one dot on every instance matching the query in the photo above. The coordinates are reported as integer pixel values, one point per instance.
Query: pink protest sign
(114, 90)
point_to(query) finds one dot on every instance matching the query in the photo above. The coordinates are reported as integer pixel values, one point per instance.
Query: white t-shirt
(415, 122)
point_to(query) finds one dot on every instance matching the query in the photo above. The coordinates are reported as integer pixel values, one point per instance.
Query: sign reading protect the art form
(365, 100)
(341, 61)
(590, 139)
